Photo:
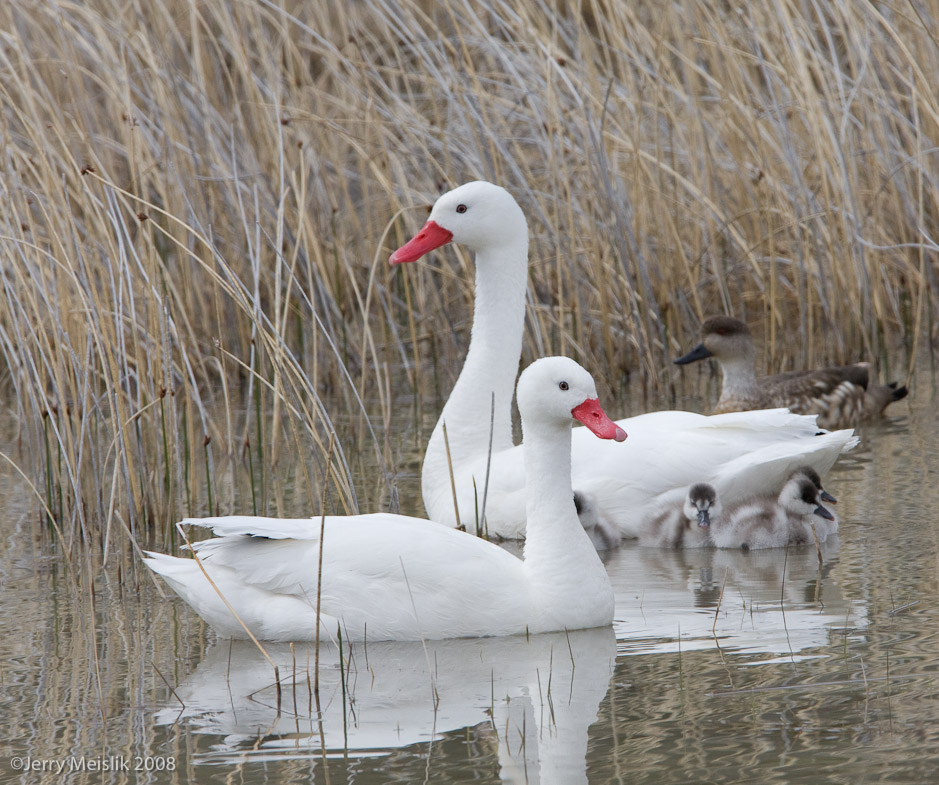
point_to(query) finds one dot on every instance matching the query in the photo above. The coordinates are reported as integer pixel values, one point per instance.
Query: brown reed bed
(199, 201)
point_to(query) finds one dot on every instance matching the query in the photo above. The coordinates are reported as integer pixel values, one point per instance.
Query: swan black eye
(461, 208)
(564, 386)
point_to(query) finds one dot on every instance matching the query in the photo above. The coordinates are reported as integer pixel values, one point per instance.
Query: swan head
(700, 503)
(724, 338)
(479, 215)
(554, 389)
(799, 496)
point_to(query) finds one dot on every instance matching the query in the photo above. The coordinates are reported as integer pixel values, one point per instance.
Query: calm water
(721, 667)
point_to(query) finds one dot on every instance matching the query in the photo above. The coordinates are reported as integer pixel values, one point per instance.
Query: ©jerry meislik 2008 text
(72, 763)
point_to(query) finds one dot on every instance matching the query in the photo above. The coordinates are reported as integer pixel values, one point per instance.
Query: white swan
(391, 577)
(740, 454)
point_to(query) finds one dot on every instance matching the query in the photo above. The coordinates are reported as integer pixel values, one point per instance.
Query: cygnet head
(700, 503)
(479, 215)
(812, 475)
(723, 337)
(553, 389)
(586, 509)
(603, 535)
(799, 496)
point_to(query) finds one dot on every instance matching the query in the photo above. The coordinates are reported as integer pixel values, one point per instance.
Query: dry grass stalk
(198, 203)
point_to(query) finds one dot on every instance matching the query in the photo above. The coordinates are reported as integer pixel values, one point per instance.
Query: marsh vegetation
(199, 201)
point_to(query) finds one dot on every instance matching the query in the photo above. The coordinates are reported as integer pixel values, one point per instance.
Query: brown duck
(841, 397)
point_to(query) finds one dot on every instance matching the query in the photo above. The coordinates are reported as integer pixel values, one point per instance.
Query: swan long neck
(489, 370)
(559, 556)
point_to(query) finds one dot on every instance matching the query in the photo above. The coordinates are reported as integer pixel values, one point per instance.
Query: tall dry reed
(199, 200)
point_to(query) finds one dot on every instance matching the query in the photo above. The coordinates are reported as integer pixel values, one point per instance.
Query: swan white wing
(740, 452)
(268, 615)
(746, 475)
(739, 430)
(664, 465)
(289, 528)
(384, 576)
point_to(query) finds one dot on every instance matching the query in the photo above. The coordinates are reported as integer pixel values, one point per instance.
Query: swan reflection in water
(773, 601)
(538, 695)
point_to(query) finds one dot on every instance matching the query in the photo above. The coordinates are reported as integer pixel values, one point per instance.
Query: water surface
(720, 667)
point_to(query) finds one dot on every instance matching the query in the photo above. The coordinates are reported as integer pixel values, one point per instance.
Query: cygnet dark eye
(564, 386)
(461, 208)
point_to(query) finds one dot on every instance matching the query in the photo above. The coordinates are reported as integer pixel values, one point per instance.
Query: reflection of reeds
(198, 204)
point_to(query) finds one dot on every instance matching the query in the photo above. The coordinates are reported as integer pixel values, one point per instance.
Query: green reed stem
(251, 478)
(187, 461)
(208, 474)
(259, 423)
(45, 434)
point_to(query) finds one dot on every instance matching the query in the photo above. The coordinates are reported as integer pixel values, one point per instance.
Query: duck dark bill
(700, 352)
(432, 235)
(591, 414)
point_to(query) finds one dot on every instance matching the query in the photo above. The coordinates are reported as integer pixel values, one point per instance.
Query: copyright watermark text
(71, 763)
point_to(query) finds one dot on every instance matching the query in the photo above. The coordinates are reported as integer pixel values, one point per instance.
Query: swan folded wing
(764, 425)
(652, 450)
(268, 615)
(651, 462)
(650, 466)
(431, 582)
(749, 473)
(282, 528)
(381, 573)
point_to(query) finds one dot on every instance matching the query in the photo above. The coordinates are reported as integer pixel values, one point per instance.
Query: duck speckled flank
(841, 396)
